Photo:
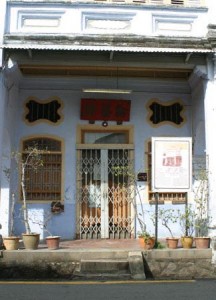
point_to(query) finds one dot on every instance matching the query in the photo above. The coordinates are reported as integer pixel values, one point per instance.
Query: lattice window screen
(44, 184)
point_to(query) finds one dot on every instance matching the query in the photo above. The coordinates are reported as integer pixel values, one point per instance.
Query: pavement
(106, 244)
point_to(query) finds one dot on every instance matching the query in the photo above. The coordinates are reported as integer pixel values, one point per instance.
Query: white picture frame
(171, 164)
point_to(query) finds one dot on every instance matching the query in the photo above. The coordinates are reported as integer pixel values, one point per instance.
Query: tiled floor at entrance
(124, 244)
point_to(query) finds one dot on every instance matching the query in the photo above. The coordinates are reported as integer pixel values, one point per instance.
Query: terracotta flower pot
(31, 240)
(172, 243)
(11, 242)
(53, 242)
(187, 242)
(202, 242)
(148, 243)
(141, 241)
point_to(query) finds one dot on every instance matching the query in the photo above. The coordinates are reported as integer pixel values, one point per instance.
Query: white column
(210, 127)
(4, 184)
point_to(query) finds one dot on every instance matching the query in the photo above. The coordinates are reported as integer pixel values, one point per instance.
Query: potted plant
(11, 242)
(30, 160)
(147, 241)
(52, 241)
(187, 223)
(201, 200)
(169, 217)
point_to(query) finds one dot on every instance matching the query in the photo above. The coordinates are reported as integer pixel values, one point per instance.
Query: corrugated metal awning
(104, 48)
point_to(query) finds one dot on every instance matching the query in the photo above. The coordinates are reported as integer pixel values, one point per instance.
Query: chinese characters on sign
(105, 110)
(171, 164)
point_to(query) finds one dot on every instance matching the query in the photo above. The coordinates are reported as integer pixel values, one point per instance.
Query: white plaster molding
(38, 21)
(103, 21)
(11, 77)
(174, 24)
(199, 74)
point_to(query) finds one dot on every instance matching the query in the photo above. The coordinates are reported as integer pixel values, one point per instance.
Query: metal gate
(105, 193)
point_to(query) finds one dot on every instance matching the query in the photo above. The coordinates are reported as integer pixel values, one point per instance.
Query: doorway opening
(105, 191)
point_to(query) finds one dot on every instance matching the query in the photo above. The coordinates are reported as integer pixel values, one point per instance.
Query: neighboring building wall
(2, 27)
(3, 95)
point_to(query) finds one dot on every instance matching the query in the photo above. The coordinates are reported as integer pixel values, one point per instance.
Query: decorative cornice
(52, 41)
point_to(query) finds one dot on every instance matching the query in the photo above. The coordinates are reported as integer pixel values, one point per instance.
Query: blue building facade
(90, 83)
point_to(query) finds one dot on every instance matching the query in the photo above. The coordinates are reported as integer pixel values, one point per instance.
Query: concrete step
(103, 269)
(130, 267)
(112, 266)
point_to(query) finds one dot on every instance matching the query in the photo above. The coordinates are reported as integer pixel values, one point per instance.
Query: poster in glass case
(171, 164)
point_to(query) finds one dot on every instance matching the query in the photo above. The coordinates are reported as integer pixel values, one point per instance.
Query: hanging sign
(105, 110)
(171, 164)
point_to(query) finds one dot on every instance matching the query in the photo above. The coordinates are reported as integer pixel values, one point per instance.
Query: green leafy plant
(32, 160)
(145, 235)
(44, 222)
(187, 220)
(168, 217)
(201, 191)
(131, 178)
(159, 245)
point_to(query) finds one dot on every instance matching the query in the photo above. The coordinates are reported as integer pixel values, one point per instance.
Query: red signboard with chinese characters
(105, 110)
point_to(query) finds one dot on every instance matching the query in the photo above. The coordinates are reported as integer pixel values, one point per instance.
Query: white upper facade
(144, 18)
(112, 25)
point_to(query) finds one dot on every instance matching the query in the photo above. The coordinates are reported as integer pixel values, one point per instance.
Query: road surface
(113, 290)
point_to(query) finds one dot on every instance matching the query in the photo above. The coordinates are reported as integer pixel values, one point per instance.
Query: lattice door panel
(89, 193)
(104, 193)
(120, 193)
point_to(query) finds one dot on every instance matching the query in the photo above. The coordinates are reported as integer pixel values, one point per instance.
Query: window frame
(48, 137)
(165, 104)
(45, 101)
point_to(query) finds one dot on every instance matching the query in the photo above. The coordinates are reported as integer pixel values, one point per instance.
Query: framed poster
(171, 164)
